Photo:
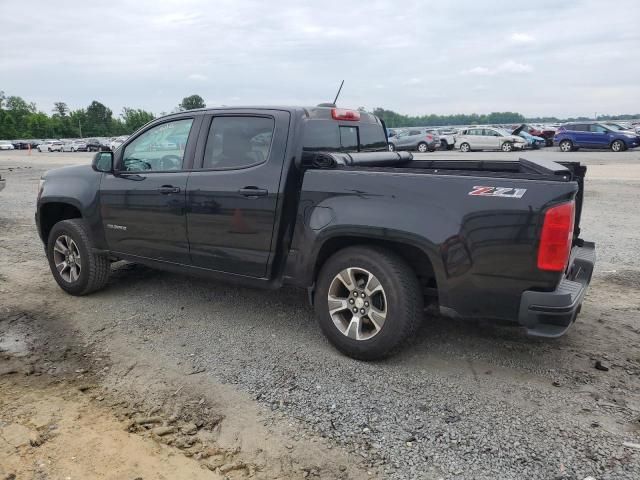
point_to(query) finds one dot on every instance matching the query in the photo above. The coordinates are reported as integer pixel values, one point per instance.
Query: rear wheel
(422, 147)
(507, 147)
(617, 146)
(74, 265)
(566, 145)
(465, 147)
(368, 302)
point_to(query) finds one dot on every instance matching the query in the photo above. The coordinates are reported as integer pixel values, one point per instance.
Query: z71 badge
(506, 192)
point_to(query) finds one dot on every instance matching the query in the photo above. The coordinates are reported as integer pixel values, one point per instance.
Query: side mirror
(103, 162)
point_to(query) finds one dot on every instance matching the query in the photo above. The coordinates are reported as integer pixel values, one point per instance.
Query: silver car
(488, 138)
(74, 146)
(414, 139)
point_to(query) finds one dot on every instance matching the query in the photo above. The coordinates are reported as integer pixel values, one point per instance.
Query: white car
(488, 138)
(6, 145)
(116, 142)
(50, 146)
(74, 146)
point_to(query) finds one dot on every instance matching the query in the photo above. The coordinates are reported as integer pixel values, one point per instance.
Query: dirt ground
(163, 376)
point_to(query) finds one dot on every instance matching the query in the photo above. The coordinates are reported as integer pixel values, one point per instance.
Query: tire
(465, 147)
(422, 147)
(94, 268)
(444, 145)
(548, 142)
(392, 147)
(49, 149)
(617, 146)
(566, 145)
(507, 147)
(450, 147)
(39, 150)
(402, 302)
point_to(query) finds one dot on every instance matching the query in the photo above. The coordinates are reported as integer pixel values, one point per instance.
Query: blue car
(532, 141)
(573, 136)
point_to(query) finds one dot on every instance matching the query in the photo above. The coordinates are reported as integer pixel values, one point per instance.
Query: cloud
(514, 67)
(479, 71)
(509, 66)
(521, 38)
(250, 52)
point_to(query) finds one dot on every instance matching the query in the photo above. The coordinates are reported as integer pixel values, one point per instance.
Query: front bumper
(551, 314)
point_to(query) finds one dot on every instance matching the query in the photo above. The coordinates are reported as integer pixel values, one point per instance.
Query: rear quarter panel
(483, 249)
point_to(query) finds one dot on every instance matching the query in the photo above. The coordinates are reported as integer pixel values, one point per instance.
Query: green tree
(135, 118)
(99, 120)
(191, 102)
(60, 108)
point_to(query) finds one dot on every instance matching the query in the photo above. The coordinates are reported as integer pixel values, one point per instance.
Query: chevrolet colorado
(311, 197)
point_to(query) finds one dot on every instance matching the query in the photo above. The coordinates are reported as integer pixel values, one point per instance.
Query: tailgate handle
(253, 192)
(167, 189)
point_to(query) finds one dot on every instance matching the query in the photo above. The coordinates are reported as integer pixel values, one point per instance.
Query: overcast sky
(553, 57)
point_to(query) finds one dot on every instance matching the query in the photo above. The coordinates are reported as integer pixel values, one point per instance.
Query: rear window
(325, 136)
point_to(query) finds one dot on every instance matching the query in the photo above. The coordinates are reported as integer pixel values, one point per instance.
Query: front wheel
(507, 147)
(368, 302)
(617, 146)
(77, 269)
(465, 147)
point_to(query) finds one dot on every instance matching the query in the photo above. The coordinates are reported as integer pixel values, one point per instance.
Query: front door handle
(253, 192)
(167, 189)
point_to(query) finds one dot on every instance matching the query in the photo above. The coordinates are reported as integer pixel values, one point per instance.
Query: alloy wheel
(357, 303)
(66, 256)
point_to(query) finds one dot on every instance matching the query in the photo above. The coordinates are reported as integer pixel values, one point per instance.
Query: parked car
(365, 232)
(414, 139)
(533, 141)
(116, 142)
(485, 138)
(50, 146)
(75, 146)
(6, 145)
(447, 138)
(96, 145)
(573, 136)
(624, 127)
(20, 144)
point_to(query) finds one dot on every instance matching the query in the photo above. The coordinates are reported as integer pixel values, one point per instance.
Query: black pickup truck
(311, 197)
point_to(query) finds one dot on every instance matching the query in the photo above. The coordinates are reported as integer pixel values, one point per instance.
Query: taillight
(344, 114)
(429, 137)
(556, 237)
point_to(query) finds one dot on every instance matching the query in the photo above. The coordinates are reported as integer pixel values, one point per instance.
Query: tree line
(20, 119)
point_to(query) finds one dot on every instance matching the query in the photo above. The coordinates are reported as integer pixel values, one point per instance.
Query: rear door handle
(167, 189)
(253, 192)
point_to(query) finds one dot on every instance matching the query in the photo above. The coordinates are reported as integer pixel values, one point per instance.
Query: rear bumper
(551, 314)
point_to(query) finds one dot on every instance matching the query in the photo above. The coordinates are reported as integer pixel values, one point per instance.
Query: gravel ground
(464, 401)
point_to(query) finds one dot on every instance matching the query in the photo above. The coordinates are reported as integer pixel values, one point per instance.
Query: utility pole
(80, 128)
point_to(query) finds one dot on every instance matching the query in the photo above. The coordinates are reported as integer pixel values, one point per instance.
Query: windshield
(502, 132)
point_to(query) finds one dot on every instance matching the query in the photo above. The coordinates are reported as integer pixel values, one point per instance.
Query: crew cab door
(143, 203)
(232, 193)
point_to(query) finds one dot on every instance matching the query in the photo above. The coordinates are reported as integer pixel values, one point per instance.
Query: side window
(349, 138)
(237, 142)
(598, 129)
(321, 135)
(414, 132)
(160, 148)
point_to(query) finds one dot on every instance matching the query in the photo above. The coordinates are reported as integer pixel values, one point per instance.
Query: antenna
(338, 94)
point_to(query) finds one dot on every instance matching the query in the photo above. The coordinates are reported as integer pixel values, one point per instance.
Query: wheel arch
(51, 213)
(416, 257)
